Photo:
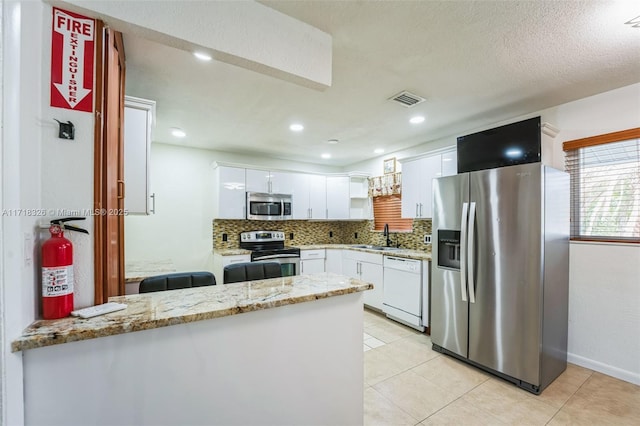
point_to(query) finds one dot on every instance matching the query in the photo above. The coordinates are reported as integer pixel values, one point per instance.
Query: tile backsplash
(306, 232)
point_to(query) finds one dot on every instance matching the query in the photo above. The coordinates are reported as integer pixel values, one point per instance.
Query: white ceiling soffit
(242, 33)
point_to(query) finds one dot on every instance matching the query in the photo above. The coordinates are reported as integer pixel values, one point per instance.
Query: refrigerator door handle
(463, 251)
(470, 253)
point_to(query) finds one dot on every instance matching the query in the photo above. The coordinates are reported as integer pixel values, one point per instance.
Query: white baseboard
(609, 370)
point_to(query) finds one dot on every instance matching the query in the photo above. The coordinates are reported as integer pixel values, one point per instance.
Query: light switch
(28, 249)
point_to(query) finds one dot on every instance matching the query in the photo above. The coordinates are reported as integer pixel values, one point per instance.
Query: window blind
(386, 209)
(605, 186)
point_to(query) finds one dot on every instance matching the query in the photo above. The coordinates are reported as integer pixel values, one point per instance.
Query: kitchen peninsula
(243, 353)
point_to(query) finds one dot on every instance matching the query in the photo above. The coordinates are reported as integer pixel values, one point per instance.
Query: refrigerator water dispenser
(449, 249)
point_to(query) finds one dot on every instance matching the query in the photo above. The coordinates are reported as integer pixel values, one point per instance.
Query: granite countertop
(404, 253)
(160, 309)
(231, 252)
(138, 270)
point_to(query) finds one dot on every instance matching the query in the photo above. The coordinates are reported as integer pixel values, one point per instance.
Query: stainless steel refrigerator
(500, 274)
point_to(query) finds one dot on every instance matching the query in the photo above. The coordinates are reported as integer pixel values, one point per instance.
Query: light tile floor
(407, 383)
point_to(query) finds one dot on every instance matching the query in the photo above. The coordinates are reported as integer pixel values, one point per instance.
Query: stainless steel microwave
(263, 206)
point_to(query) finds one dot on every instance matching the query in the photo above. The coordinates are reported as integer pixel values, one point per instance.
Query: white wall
(67, 173)
(181, 229)
(39, 171)
(604, 284)
(20, 186)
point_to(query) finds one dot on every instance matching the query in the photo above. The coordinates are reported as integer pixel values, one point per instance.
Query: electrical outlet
(355, 235)
(224, 237)
(427, 239)
(330, 234)
(291, 235)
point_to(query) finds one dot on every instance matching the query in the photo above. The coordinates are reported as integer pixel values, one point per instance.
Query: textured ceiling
(476, 62)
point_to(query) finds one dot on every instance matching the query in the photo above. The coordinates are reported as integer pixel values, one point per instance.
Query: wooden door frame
(101, 290)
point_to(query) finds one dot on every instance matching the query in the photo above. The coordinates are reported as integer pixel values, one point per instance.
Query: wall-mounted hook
(67, 131)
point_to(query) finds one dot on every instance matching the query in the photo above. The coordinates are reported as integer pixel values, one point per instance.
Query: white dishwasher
(403, 291)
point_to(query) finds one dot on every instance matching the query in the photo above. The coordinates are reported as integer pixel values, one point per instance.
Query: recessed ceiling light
(378, 151)
(296, 127)
(178, 133)
(202, 56)
(417, 119)
(325, 156)
(332, 141)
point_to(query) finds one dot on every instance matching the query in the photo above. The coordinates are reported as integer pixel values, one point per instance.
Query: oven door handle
(277, 256)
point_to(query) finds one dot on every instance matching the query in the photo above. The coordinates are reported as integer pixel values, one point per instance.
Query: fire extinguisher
(57, 270)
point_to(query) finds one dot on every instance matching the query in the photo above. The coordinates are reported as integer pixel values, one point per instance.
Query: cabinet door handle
(153, 203)
(417, 214)
(421, 210)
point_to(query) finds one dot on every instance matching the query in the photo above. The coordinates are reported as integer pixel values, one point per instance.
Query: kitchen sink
(370, 247)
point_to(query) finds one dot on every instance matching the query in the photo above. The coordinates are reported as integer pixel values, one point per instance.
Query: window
(386, 209)
(605, 186)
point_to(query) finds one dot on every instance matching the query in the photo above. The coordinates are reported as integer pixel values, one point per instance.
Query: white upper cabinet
(138, 124)
(314, 196)
(317, 197)
(417, 176)
(258, 180)
(359, 200)
(417, 181)
(338, 197)
(309, 196)
(269, 181)
(281, 182)
(229, 198)
(450, 163)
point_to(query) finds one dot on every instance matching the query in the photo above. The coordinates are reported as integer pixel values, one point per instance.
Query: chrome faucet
(385, 234)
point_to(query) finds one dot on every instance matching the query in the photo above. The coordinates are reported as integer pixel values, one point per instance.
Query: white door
(411, 187)
(281, 182)
(311, 266)
(318, 196)
(450, 163)
(257, 180)
(231, 197)
(350, 268)
(372, 273)
(431, 169)
(300, 195)
(333, 261)
(338, 197)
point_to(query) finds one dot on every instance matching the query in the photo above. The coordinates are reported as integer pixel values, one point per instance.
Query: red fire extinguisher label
(57, 281)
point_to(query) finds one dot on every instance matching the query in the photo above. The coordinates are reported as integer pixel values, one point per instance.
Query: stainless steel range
(268, 246)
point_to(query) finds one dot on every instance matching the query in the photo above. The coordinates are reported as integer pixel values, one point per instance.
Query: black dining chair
(251, 271)
(176, 280)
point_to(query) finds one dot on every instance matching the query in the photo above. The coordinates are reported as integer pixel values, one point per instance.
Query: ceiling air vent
(407, 99)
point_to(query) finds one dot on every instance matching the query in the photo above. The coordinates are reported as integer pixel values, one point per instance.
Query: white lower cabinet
(220, 261)
(311, 261)
(333, 261)
(366, 267)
